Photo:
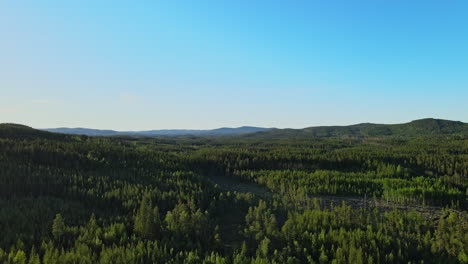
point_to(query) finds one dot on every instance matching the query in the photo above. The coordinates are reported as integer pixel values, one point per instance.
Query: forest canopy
(233, 199)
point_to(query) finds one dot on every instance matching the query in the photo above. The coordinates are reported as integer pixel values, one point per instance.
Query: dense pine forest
(272, 198)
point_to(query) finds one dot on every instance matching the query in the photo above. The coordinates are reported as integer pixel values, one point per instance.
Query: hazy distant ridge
(161, 132)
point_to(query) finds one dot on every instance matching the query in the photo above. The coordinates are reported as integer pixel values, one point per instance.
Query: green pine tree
(147, 219)
(58, 227)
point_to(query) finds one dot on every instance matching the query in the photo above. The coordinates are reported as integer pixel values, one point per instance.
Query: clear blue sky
(134, 65)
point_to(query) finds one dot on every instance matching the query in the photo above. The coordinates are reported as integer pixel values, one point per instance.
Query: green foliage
(260, 222)
(58, 227)
(147, 221)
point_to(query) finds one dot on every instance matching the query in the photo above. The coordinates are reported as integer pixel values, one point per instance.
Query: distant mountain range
(162, 132)
(421, 127)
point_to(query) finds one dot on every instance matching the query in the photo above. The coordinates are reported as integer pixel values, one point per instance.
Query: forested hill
(421, 127)
(17, 131)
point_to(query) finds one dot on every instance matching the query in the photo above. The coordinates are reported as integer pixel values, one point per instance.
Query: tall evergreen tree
(147, 220)
(58, 227)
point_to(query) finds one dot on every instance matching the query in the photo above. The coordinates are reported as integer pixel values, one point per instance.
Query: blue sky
(134, 65)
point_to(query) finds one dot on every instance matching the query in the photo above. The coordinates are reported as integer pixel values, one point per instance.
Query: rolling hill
(17, 131)
(421, 127)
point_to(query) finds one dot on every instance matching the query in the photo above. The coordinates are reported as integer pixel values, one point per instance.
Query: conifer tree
(147, 220)
(58, 227)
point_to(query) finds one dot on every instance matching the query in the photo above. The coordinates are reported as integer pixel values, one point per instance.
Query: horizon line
(233, 127)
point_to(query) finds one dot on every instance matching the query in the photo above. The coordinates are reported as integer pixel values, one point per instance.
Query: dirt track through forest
(429, 212)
